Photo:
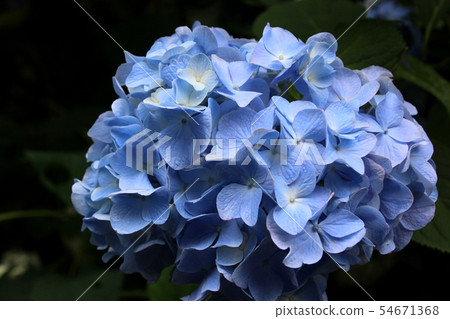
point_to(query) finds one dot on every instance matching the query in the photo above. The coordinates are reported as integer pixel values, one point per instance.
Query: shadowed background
(57, 69)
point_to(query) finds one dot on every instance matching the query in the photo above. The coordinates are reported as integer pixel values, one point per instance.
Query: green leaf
(57, 170)
(292, 94)
(366, 42)
(437, 233)
(164, 290)
(35, 213)
(57, 287)
(371, 42)
(426, 77)
(308, 17)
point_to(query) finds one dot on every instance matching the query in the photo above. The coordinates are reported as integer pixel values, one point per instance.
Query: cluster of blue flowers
(246, 193)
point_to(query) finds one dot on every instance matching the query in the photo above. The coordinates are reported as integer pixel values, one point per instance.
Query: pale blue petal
(337, 245)
(230, 234)
(375, 224)
(340, 117)
(346, 83)
(281, 42)
(341, 223)
(236, 200)
(387, 147)
(406, 131)
(310, 124)
(222, 71)
(240, 72)
(389, 112)
(365, 94)
(205, 38)
(395, 198)
(292, 218)
(319, 73)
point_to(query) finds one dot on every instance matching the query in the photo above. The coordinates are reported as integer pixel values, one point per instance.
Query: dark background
(56, 69)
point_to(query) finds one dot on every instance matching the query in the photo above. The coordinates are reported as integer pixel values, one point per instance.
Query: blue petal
(319, 74)
(199, 233)
(281, 42)
(351, 151)
(229, 256)
(387, 147)
(310, 124)
(179, 149)
(340, 118)
(211, 282)
(236, 125)
(222, 71)
(406, 131)
(260, 56)
(306, 181)
(242, 98)
(240, 72)
(376, 226)
(323, 44)
(335, 245)
(304, 248)
(341, 223)
(346, 83)
(187, 95)
(265, 286)
(236, 200)
(365, 94)
(395, 198)
(143, 74)
(229, 235)
(129, 177)
(389, 112)
(420, 213)
(205, 38)
(317, 200)
(292, 218)
(402, 237)
(130, 214)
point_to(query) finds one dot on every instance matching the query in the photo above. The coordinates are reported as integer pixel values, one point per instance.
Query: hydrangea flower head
(202, 163)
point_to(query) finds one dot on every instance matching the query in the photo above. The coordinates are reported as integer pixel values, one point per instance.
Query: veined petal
(389, 112)
(236, 200)
(292, 218)
(406, 131)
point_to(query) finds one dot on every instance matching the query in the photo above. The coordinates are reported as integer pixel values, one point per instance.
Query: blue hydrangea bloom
(204, 165)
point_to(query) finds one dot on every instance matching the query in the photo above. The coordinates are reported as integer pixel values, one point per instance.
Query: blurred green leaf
(32, 214)
(371, 42)
(17, 289)
(57, 287)
(437, 11)
(292, 94)
(260, 3)
(164, 290)
(12, 18)
(57, 170)
(368, 42)
(437, 233)
(308, 17)
(426, 77)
